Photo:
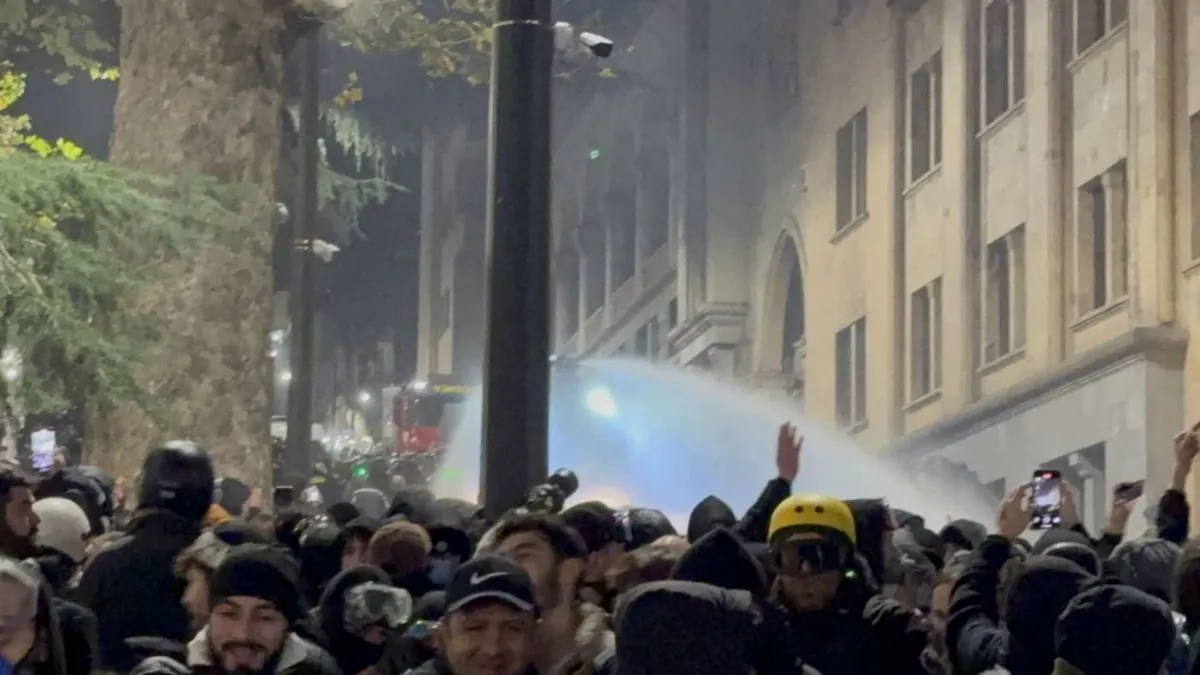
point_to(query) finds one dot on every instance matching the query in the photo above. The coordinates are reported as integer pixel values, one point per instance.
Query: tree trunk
(200, 92)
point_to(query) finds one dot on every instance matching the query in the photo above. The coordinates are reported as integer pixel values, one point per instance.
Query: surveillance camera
(597, 44)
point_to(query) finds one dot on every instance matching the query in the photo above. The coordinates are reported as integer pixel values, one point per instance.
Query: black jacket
(712, 513)
(132, 588)
(78, 628)
(1024, 642)
(863, 633)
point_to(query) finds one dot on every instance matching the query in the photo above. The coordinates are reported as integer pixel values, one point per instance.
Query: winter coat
(132, 588)
(683, 627)
(862, 633)
(1023, 643)
(298, 657)
(80, 637)
(352, 653)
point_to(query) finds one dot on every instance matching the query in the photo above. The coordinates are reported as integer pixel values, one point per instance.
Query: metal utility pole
(516, 366)
(301, 290)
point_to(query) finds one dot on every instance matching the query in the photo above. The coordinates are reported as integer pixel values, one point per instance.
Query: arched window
(793, 315)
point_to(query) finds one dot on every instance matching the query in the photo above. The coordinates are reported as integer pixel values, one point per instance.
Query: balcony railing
(622, 298)
(656, 267)
(570, 347)
(593, 326)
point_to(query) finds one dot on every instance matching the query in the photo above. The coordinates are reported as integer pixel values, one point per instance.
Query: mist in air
(644, 434)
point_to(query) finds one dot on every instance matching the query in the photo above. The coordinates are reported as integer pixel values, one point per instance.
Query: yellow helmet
(816, 514)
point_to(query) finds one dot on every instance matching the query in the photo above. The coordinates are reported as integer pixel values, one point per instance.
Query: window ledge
(854, 427)
(1100, 314)
(1002, 362)
(995, 125)
(1091, 50)
(1192, 267)
(846, 229)
(923, 180)
(923, 401)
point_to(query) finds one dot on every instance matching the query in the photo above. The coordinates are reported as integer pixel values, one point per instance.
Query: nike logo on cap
(478, 578)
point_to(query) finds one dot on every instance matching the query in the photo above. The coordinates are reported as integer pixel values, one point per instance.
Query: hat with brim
(490, 579)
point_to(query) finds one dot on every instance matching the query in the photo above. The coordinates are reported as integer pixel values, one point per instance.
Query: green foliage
(62, 29)
(77, 235)
(341, 197)
(453, 37)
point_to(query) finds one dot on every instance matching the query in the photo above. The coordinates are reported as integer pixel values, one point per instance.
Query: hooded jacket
(1069, 544)
(1023, 642)
(720, 559)
(871, 524)
(713, 513)
(684, 628)
(861, 633)
(352, 653)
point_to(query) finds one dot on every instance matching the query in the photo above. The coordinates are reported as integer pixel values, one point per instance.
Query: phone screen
(42, 444)
(285, 497)
(1046, 499)
(1127, 492)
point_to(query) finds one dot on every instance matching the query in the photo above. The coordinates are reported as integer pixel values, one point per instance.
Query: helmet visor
(810, 556)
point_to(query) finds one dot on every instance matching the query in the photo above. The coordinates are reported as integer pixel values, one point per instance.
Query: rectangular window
(925, 343)
(851, 382)
(852, 170)
(1102, 240)
(1095, 19)
(925, 118)
(1003, 59)
(1004, 296)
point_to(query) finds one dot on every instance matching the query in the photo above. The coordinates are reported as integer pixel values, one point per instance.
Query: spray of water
(656, 435)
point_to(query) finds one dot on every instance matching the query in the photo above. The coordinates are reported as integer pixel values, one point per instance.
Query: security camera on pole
(516, 383)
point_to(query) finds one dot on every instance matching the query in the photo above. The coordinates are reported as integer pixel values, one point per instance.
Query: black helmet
(178, 477)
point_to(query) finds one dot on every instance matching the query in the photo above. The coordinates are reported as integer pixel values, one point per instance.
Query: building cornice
(720, 324)
(1162, 344)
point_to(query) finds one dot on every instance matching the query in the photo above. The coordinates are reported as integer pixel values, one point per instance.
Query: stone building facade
(963, 229)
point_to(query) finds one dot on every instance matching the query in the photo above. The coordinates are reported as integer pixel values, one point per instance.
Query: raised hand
(787, 452)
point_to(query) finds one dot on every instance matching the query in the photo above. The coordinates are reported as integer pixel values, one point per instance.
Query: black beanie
(258, 571)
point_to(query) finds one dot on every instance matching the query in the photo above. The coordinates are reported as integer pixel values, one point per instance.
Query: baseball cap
(490, 578)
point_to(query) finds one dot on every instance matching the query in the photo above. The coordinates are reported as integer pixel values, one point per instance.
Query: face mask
(441, 571)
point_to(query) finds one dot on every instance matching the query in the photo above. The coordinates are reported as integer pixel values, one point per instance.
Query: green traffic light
(360, 472)
(594, 154)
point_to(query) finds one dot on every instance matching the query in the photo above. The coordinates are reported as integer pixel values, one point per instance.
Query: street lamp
(364, 397)
(285, 376)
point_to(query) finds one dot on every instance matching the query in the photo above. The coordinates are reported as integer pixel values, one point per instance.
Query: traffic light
(361, 471)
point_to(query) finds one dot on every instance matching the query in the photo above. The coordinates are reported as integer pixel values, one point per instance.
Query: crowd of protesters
(200, 578)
